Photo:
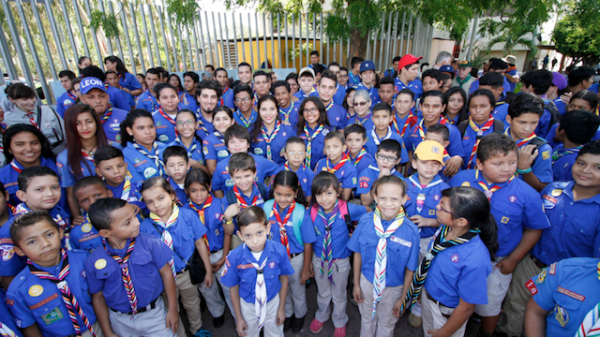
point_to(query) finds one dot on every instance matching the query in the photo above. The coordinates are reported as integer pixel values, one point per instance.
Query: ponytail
(289, 179)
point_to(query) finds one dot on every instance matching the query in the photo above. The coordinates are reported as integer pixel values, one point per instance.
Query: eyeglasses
(439, 207)
(295, 154)
(386, 158)
(242, 100)
(312, 110)
(188, 122)
(363, 103)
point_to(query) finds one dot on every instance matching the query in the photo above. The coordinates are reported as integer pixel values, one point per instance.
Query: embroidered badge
(86, 228)
(556, 193)
(571, 294)
(541, 277)
(561, 315)
(272, 264)
(531, 287)
(466, 183)
(504, 220)
(454, 258)
(100, 264)
(512, 198)
(53, 316)
(35, 290)
(546, 155)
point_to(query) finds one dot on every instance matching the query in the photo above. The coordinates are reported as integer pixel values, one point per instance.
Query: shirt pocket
(399, 250)
(508, 217)
(272, 270)
(145, 268)
(583, 230)
(565, 306)
(48, 310)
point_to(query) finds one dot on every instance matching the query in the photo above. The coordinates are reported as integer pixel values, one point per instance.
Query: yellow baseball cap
(430, 150)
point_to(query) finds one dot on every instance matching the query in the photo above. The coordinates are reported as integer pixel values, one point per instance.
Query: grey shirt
(50, 123)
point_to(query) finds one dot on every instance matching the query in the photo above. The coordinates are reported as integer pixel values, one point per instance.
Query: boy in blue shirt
(306, 80)
(537, 83)
(40, 190)
(573, 209)
(576, 128)
(295, 153)
(245, 114)
(237, 139)
(387, 158)
(187, 98)
(403, 118)
(256, 273)
(535, 155)
(177, 166)
(493, 81)
(69, 98)
(353, 74)
(517, 209)
(288, 109)
(147, 100)
(336, 114)
(356, 138)
(407, 79)
(432, 80)
(382, 118)
(440, 134)
(128, 273)
(367, 75)
(86, 192)
(262, 85)
(338, 162)
(49, 297)
(227, 95)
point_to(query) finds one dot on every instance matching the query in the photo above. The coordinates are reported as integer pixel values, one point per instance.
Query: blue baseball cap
(447, 69)
(90, 83)
(367, 65)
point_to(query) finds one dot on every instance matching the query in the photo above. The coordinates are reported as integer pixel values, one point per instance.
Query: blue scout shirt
(85, 236)
(575, 225)
(423, 200)
(129, 81)
(460, 272)
(373, 141)
(7, 320)
(9, 175)
(318, 143)
(366, 122)
(336, 115)
(568, 290)
(469, 139)
(222, 181)
(353, 80)
(186, 230)
(111, 123)
(415, 86)
(340, 94)
(165, 126)
(64, 101)
(194, 151)
(307, 231)
(368, 176)
(543, 126)
(147, 101)
(398, 125)
(346, 174)
(180, 194)
(132, 197)
(259, 145)
(255, 193)
(373, 92)
(213, 147)
(247, 123)
(305, 176)
(118, 98)
(561, 105)
(339, 231)
(505, 85)
(205, 127)
(515, 206)
(455, 147)
(227, 99)
(301, 95)
(542, 164)
(141, 166)
(290, 114)
(67, 177)
(213, 222)
(501, 111)
(366, 160)
(563, 165)
(240, 271)
(147, 258)
(187, 101)
(35, 300)
(402, 249)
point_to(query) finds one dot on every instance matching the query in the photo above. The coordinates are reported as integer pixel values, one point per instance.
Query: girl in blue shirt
(213, 145)
(129, 83)
(456, 105)
(453, 274)
(164, 116)
(270, 134)
(188, 139)
(313, 126)
(142, 152)
(85, 135)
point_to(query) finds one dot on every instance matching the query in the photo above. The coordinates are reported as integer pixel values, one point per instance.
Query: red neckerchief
(168, 118)
(240, 198)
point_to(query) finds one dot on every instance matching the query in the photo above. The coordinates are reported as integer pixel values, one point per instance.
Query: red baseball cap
(406, 60)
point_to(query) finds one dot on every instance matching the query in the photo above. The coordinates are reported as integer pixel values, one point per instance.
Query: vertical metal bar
(216, 42)
(257, 41)
(223, 44)
(242, 37)
(108, 42)
(148, 44)
(348, 44)
(126, 33)
(264, 22)
(294, 39)
(69, 29)
(2, 82)
(137, 35)
(395, 36)
(408, 39)
(279, 40)
(429, 41)
(287, 56)
(34, 54)
(415, 35)
(199, 21)
(82, 32)
(272, 42)
(401, 46)
(57, 42)
(182, 47)
(190, 51)
(173, 42)
(154, 37)
(368, 47)
(94, 36)
(165, 43)
(14, 33)
(380, 49)
(314, 27)
(7, 58)
(111, 9)
(235, 40)
(212, 57)
(300, 43)
(228, 41)
(42, 34)
(387, 43)
(307, 42)
(196, 44)
(321, 39)
(249, 40)
(472, 38)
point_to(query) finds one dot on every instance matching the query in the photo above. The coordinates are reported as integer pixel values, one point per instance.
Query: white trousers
(384, 322)
(150, 323)
(336, 293)
(214, 301)
(271, 328)
(295, 301)
(435, 316)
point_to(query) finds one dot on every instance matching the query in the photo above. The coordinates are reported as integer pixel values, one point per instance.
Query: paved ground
(353, 327)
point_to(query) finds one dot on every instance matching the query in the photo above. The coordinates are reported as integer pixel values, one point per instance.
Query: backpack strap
(498, 126)
(462, 127)
(230, 197)
(263, 191)
(344, 213)
(538, 142)
(268, 206)
(297, 219)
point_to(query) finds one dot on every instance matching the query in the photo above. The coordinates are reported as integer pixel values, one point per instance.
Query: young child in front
(210, 212)
(87, 191)
(182, 231)
(451, 279)
(387, 157)
(382, 117)
(517, 209)
(331, 216)
(356, 138)
(177, 166)
(50, 296)
(381, 283)
(256, 273)
(127, 296)
(440, 134)
(39, 189)
(285, 212)
(295, 153)
(338, 162)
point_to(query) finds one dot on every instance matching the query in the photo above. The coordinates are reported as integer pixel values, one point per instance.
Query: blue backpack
(297, 217)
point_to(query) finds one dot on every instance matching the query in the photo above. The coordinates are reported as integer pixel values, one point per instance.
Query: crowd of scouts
(446, 194)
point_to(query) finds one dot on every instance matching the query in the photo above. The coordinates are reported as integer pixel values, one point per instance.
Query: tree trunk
(358, 43)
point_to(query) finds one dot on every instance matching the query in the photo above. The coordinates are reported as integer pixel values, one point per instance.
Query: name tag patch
(401, 241)
(571, 294)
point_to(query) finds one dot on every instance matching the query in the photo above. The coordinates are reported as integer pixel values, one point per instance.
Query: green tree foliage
(577, 34)
(106, 21)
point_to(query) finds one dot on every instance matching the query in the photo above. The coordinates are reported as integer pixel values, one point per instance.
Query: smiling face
(284, 196)
(255, 235)
(43, 193)
(221, 121)
(368, 77)
(41, 243)
(362, 106)
(311, 113)
(174, 81)
(499, 168)
(283, 96)
(198, 193)
(262, 85)
(143, 131)
(294, 87)
(26, 148)
(168, 100)
(389, 199)
(244, 180)
(586, 170)
(159, 201)
(327, 88)
(432, 108)
(245, 74)
(327, 199)
(25, 104)
(268, 112)
(237, 145)
(188, 84)
(86, 126)
(186, 124)
(243, 101)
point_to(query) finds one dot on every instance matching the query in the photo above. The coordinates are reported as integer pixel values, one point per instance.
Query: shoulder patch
(531, 287)
(552, 269)
(546, 155)
(35, 290)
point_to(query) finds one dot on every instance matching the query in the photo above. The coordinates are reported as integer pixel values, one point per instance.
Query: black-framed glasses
(386, 158)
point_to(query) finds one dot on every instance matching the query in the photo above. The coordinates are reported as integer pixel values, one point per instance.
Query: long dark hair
(259, 122)
(74, 146)
(473, 205)
(128, 122)
(11, 132)
(462, 114)
(345, 103)
(179, 87)
(588, 96)
(121, 69)
(289, 179)
(322, 113)
(322, 182)
(486, 93)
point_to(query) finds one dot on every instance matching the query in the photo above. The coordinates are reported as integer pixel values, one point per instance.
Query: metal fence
(39, 38)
